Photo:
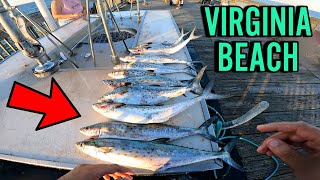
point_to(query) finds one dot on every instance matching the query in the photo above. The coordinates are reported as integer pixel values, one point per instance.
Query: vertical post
(115, 58)
(90, 32)
(138, 10)
(116, 25)
(46, 14)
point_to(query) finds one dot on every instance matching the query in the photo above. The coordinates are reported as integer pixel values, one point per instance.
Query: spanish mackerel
(151, 95)
(151, 66)
(151, 114)
(155, 59)
(151, 48)
(152, 155)
(148, 132)
(144, 80)
(132, 73)
(166, 43)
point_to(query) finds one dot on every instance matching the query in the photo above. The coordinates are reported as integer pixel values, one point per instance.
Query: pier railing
(7, 46)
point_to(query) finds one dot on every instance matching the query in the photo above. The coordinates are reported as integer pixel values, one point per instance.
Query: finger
(124, 170)
(279, 126)
(103, 169)
(106, 177)
(285, 152)
(263, 148)
(114, 176)
(123, 175)
(269, 153)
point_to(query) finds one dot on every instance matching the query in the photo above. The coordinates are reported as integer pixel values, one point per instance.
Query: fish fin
(203, 129)
(226, 154)
(161, 140)
(184, 95)
(152, 73)
(126, 83)
(190, 72)
(195, 84)
(256, 110)
(208, 122)
(122, 92)
(117, 105)
(208, 95)
(192, 36)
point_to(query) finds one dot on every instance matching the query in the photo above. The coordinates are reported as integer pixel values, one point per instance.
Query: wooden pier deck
(292, 96)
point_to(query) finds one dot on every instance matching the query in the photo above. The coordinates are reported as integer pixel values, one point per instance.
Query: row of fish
(147, 147)
(153, 59)
(136, 138)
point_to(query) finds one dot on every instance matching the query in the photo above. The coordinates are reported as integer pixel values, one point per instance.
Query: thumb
(286, 153)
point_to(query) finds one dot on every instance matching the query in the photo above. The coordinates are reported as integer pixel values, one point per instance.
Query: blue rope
(218, 131)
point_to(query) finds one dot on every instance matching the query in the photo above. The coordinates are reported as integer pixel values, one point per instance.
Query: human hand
(96, 171)
(77, 15)
(290, 135)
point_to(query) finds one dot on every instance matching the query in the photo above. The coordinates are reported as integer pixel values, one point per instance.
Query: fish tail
(203, 129)
(195, 84)
(226, 154)
(256, 110)
(192, 36)
(208, 95)
(188, 71)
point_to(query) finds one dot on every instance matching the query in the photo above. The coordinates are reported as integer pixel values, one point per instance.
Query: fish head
(103, 107)
(128, 59)
(93, 147)
(120, 66)
(115, 84)
(92, 131)
(138, 50)
(117, 74)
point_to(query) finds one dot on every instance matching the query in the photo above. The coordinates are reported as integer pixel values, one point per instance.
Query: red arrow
(56, 108)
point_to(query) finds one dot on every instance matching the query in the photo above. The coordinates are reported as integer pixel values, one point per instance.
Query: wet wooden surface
(292, 96)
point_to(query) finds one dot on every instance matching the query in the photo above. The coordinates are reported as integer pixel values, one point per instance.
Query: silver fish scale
(150, 80)
(148, 155)
(143, 95)
(137, 132)
(144, 66)
(130, 73)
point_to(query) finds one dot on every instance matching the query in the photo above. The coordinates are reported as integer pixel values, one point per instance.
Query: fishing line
(218, 131)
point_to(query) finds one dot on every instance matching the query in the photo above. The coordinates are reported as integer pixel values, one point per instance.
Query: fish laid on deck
(148, 132)
(152, 48)
(152, 155)
(166, 43)
(151, 114)
(131, 73)
(144, 80)
(152, 66)
(158, 72)
(151, 95)
(155, 59)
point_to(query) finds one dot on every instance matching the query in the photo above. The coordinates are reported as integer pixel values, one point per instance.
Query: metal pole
(46, 14)
(4, 49)
(115, 58)
(34, 22)
(138, 11)
(116, 25)
(114, 4)
(90, 33)
(39, 28)
(10, 45)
